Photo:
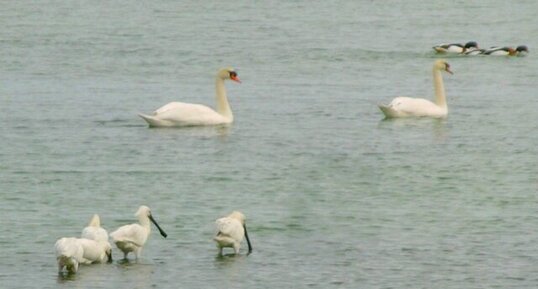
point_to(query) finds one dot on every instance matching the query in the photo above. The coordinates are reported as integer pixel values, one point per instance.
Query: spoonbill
(230, 232)
(69, 254)
(131, 238)
(97, 246)
(94, 231)
(95, 251)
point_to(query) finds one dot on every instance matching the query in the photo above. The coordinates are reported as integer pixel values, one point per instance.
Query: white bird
(94, 231)
(99, 247)
(230, 232)
(409, 107)
(455, 47)
(175, 114)
(95, 251)
(69, 254)
(131, 238)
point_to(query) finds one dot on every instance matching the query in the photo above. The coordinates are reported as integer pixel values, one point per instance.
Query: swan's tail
(387, 110)
(152, 121)
(95, 221)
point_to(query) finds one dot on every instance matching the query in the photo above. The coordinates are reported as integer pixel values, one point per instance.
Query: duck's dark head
(471, 44)
(522, 48)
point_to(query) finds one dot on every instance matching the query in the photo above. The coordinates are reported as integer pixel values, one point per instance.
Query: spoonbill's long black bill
(163, 233)
(248, 240)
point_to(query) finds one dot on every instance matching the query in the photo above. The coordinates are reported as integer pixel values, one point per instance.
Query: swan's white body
(455, 48)
(94, 231)
(230, 232)
(418, 107)
(69, 254)
(131, 238)
(176, 114)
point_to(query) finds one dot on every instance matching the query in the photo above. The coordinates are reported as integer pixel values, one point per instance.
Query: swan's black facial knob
(233, 76)
(447, 68)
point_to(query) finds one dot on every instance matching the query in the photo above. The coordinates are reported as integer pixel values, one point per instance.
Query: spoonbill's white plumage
(94, 231)
(417, 107)
(69, 254)
(175, 114)
(455, 47)
(230, 232)
(131, 238)
(95, 251)
(97, 247)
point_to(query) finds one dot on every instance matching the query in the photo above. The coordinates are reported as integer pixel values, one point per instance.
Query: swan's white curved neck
(223, 107)
(440, 98)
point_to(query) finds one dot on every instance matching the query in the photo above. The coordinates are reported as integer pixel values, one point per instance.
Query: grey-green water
(334, 196)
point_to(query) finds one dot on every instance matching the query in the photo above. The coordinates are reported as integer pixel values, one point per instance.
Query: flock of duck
(177, 114)
(471, 48)
(93, 246)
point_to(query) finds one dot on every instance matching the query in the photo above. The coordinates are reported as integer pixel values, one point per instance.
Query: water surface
(335, 196)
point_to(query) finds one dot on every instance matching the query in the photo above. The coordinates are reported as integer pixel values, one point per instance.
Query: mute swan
(455, 47)
(507, 51)
(188, 114)
(231, 230)
(407, 106)
(131, 238)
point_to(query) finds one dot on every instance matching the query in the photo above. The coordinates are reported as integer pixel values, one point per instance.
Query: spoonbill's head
(228, 73)
(241, 218)
(441, 64)
(238, 216)
(522, 48)
(145, 213)
(108, 252)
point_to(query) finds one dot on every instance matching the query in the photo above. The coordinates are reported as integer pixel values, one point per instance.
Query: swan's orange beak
(235, 78)
(447, 69)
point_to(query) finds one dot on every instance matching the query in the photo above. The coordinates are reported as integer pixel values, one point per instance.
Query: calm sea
(335, 196)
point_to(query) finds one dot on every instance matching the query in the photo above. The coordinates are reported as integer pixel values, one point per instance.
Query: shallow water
(335, 196)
